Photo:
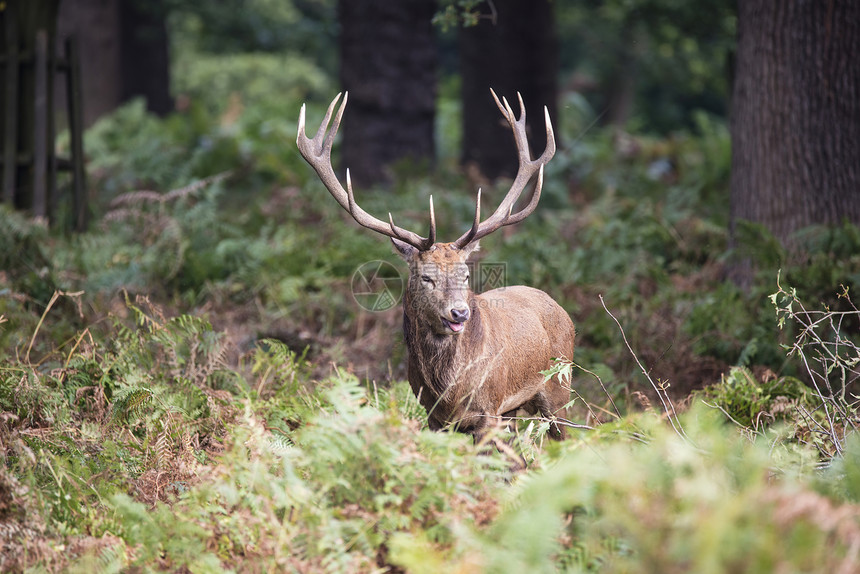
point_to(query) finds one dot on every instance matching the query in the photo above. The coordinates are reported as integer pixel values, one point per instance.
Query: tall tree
(124, 52)
(795, 119)
(388, 65)
(513, 48)
(145, 63)
(95, 24)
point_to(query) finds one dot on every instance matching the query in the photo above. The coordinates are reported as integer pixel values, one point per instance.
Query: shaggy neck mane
(436, 355)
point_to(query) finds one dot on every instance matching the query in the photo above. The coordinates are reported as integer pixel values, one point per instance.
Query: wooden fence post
(40, 126)
(76, 129)
(29, 160)
(10, 137)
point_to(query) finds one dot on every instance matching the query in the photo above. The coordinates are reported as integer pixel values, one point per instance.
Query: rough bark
(795, 119)
(96, 24)
(388, 65)
(144, 55)
(517, 51)
(123, 46)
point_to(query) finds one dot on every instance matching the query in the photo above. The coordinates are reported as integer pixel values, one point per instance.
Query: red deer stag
(471, 358)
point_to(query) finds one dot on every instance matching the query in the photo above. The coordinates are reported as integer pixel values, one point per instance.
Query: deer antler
(504, 213)
(317, 152)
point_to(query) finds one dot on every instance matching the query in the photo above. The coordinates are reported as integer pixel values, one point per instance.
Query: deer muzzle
(459, 316)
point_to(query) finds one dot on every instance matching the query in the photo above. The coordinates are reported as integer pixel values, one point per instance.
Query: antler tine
(395, 231)
(470, 235)
(477, 211)
(431, 235)
(317, 152)
(317, 140)
(400, 233)
(550, 139)
(528, 168)
(350, 195)
(504, 108)
(301, 130)
(528, 209)
(329, 140)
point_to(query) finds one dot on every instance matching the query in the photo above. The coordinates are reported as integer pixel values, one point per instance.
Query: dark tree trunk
(95, 23)
(124, 53)
(795, 120)
(516, 53)
(144, 57)
(388, 65)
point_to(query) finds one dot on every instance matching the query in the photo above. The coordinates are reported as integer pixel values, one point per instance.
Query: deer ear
(405, 250)
(468, 249)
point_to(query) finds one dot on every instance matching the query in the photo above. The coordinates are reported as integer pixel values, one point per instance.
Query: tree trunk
(124, 53)
(388, 65)
(795, 119)
(518, 52)
(144, 55)
(95, 22)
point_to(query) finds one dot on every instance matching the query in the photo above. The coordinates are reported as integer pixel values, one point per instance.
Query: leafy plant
(830, 357)
(657, 504)
(756, 402)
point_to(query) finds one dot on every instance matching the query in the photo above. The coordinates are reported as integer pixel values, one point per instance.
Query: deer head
(438, 290)
(438, 293)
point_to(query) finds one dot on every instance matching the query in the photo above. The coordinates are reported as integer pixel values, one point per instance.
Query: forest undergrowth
(149, 449)
(191, 385)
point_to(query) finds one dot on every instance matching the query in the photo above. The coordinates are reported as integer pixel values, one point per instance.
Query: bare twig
(53, 300)
(668, 406)
(822, 341)
(602, 386)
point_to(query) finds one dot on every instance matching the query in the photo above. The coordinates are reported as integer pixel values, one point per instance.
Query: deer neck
(440, 358)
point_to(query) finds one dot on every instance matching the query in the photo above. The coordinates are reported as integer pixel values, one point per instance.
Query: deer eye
(426, 279)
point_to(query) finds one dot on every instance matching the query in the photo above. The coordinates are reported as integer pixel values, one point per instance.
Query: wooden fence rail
(28, 158)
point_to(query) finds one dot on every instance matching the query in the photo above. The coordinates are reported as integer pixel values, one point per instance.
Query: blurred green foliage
(243, 26)
(263, 466)
(455, 13)
(639, 219)
(238, 81)
(134, 434)
(674, 55)
(755, 403)
(147, 450)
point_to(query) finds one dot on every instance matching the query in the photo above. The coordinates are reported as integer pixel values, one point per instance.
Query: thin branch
(668, 406)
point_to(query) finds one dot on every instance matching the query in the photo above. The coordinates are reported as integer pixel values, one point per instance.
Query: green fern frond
(280, 443)
(129, 403)
(275, 362)
(163, 450)
(112, 558)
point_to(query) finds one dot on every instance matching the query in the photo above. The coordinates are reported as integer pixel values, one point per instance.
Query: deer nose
(460, 315)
